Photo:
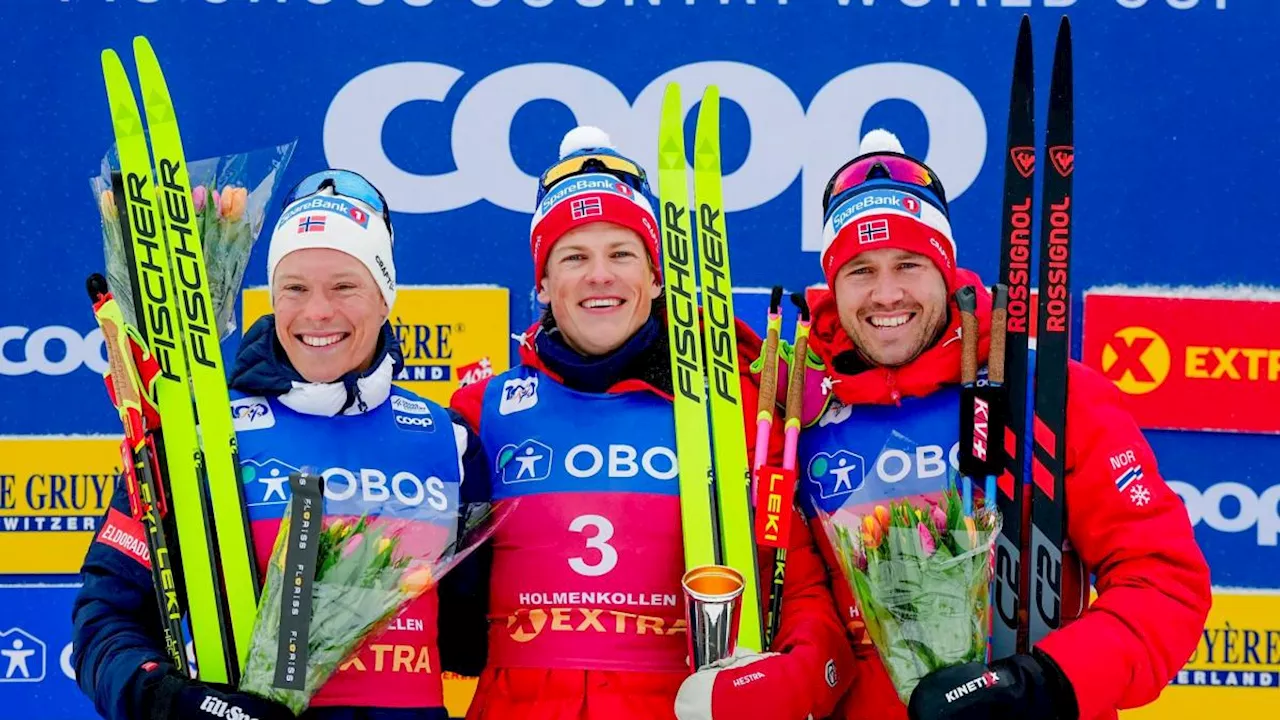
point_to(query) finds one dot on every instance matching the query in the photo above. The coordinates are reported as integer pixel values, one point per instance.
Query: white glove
(693, 702)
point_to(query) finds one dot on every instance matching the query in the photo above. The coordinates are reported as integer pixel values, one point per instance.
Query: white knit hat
(324, 220)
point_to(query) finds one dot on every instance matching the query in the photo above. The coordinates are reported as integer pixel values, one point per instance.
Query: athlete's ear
(543, 296)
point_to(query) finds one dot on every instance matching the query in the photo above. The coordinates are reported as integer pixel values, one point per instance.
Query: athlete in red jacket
(595, 371)
(886, 332)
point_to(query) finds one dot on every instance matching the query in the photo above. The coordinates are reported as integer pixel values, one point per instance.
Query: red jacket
(1151, 577)
(810, 677)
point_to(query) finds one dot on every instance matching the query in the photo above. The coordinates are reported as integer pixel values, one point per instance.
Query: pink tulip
(859, 558)
(939, 520)
(217, 198)
(199, 195)
(926, 539)
(352, 544)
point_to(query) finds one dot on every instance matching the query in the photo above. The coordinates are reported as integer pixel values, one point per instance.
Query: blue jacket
(116, 620)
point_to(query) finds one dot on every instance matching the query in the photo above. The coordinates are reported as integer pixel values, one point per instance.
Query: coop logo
(808, 137)
(50, 350)
(252, 413)
(267, 483)
(412, 414)
(527, 462)
(1136, 359)
(525, 624)
(1216, 507)
(837, 474)
(22, 656)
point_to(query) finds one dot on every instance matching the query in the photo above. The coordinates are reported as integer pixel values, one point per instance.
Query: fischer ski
(714, 431)
(1051, 588)
(176, 322)
(1009, 598)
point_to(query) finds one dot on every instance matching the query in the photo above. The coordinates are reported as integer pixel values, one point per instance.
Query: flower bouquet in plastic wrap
(336, 578)
(231, 196)
(918, 562)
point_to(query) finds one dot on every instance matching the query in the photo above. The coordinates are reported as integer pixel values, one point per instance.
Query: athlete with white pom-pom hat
(884, 349)
(586, 610)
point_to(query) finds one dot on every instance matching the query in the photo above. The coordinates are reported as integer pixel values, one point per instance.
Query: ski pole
(791, 428)
(138, 453)
(768, 383)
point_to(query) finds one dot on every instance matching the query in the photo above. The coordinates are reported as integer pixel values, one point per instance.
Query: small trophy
(713, 602)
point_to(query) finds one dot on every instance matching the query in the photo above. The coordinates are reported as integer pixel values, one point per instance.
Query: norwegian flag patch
(873, 231)
(586, 207)
(311, 223)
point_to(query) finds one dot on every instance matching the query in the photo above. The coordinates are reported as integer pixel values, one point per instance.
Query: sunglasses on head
(883, 166)
(345, 183)
(626, 170)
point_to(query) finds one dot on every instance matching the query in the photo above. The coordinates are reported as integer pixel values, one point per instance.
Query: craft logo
(1181, 366)
(438, 329)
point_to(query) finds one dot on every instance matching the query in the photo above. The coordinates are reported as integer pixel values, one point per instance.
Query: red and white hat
(884, 213)
(591, 196)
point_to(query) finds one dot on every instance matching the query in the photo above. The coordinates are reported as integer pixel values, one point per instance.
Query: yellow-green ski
(201, 335)
(693, 438)
(728, 426)
(159, 324)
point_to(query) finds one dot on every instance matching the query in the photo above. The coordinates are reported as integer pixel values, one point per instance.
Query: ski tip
(798, 299)
(967, 299)
(671, 94)
(96, 284)
(775, 300)
(999, 296)
(141, 45)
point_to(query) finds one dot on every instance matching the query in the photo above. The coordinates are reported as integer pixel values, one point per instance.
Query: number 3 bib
(586, 571)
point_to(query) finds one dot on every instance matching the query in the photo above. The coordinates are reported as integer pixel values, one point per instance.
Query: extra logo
(527, 462)
(1136, 359)
(23, 656)
(836, 474)
(518, 394)
(836, 413)
(413, 415)
(252, 413)
(220, 708)
(833, 677)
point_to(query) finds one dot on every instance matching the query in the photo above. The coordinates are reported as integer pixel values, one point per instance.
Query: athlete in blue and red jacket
(586, 611)
(887, 333)
(311, 386)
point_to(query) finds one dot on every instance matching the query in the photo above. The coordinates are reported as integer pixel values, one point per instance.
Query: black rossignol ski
(1050, 597)
(1008, 602)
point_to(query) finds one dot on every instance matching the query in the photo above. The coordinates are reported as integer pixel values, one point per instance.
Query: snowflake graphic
(1140, 495)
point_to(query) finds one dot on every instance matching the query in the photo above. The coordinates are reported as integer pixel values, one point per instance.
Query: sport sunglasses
(612, 164)
(346, 183)
(884, 166)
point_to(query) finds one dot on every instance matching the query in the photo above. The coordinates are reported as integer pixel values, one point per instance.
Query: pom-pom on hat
(591, 182)
(884, 198)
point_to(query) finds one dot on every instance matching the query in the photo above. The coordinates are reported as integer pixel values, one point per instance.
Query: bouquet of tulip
(919, 569)
(334, 582)
(230, 196)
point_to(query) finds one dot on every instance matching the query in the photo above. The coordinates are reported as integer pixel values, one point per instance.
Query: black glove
(1022, 686)
(167, 695)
